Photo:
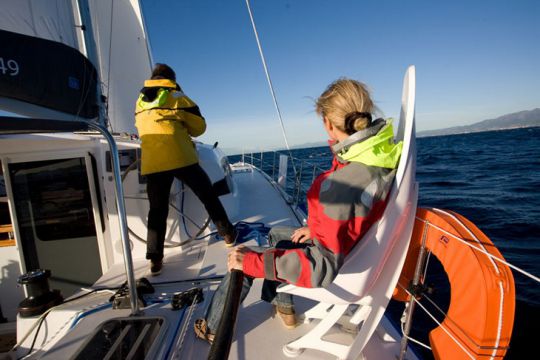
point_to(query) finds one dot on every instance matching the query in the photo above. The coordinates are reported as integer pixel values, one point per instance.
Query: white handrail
(298, 186)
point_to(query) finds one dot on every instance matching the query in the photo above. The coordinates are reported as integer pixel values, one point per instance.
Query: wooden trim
(7, 229)
(5, 243)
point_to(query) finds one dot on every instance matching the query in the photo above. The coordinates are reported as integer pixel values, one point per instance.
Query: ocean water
(491, 178)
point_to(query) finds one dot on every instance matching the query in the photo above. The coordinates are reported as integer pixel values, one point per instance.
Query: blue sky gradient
(475, 60)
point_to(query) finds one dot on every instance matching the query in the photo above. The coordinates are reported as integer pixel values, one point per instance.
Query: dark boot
(230, 238)
(155, 267)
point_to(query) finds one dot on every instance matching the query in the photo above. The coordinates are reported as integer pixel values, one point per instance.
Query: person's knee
(280, 233)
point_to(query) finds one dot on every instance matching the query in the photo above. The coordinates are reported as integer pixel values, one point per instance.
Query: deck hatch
(124, 338)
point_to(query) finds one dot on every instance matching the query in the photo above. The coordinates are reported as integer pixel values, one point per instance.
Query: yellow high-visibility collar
(160, 83)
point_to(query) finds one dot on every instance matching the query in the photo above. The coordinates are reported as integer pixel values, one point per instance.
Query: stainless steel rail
(121, 207)
(268, 165)
(10, 125)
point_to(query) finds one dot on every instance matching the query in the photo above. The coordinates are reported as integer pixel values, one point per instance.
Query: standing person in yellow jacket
(166, 119)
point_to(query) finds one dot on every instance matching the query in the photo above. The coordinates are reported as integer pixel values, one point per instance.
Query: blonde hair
(346, 98)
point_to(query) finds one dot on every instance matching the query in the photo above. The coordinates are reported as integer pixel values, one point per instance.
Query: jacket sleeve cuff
(253, 265)
(269, 259)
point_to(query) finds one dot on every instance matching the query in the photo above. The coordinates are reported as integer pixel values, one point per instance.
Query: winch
(40, 298)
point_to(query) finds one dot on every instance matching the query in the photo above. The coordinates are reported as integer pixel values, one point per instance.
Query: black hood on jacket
(150, 93)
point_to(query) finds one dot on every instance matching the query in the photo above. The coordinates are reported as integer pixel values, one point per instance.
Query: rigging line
(83, 42)
(270, 83)
(456, 325)
(471, 234)
(413, 339)
(440, 325)
(100, 84)
(42, 318)
(84, 96)
(180, 343)
(447, 318)
(87, 69)
(109, 62)
(495, 266)
(535, 278)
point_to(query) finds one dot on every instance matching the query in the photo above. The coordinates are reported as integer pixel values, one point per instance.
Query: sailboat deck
(251, 340)
(201, 264)
(258, 202)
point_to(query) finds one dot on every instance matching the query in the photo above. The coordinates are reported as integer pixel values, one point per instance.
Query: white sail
(29, 67)
(124, 57)
(52, 20)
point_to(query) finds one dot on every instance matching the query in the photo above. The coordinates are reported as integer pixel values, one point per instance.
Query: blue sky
(475, 60)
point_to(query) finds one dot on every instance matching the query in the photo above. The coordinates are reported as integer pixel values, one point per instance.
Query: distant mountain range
(527, 118)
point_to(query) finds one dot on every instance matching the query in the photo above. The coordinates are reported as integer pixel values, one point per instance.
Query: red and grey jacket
(343, 203)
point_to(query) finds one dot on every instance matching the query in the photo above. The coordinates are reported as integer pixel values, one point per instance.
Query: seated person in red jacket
(343, 203)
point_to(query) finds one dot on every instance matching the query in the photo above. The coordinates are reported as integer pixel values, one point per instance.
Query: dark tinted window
(53, 199)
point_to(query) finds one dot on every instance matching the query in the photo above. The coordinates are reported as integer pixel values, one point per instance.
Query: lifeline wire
(270, 83)
(529, 275)
(413, 339)
(442, 327)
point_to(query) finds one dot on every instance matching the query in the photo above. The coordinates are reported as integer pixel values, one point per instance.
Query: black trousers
(158, 188)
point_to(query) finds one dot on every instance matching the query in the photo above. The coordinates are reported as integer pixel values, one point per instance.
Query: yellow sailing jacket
(166, 119)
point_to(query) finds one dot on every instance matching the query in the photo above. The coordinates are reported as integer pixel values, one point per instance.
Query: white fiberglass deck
(258, 335)
(258, 201)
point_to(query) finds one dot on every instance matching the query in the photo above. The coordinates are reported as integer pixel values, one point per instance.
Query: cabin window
(52, 198)
(130, 160)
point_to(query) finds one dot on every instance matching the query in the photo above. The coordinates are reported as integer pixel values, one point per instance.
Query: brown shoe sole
(280, 315)
(201, 331)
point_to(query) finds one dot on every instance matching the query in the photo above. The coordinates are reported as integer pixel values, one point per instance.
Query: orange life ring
(482, 295)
